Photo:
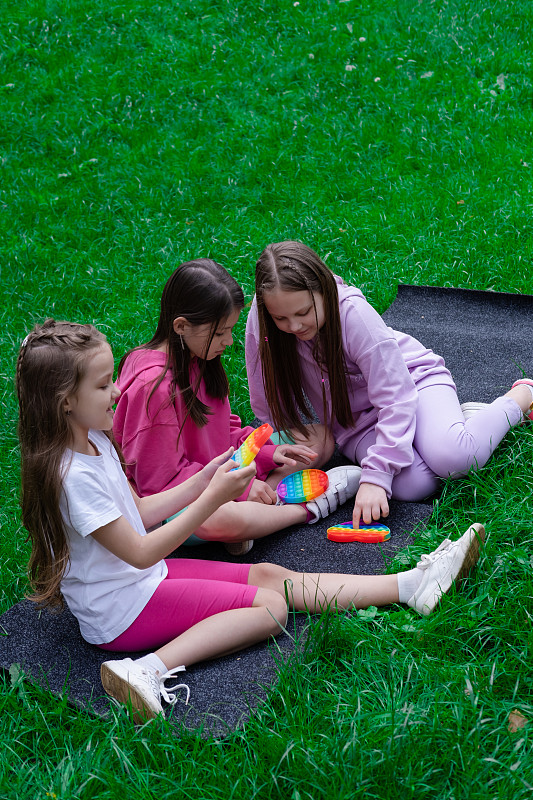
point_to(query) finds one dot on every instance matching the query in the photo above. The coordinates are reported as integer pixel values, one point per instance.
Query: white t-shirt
(103, 592)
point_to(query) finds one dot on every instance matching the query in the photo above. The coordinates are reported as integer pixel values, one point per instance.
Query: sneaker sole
(239, 548)
(121, 690)
(472, 554)
(469, 561)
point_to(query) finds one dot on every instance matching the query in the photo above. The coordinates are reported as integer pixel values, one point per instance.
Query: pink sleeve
(155, 461)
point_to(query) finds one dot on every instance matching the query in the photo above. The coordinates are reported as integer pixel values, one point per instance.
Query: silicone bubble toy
(252, 445)
(345, 532)
(302, 486)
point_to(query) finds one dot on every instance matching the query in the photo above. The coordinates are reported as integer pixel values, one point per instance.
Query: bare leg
(228, 631)
(234, 522)
(234, 630)
(315, 591)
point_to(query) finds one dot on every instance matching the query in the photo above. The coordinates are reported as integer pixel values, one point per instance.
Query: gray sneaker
(449, 564)
(239, 548)
(343, 484)
(129, 681)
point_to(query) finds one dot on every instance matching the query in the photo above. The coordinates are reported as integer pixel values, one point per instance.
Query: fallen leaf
(516, 721)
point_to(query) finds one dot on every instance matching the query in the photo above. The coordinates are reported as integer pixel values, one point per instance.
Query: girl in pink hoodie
(389, 402)
(173, 415)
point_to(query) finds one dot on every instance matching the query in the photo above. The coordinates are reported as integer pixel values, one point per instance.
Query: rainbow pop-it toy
(302, 486)
(252, 445)
(345, 532)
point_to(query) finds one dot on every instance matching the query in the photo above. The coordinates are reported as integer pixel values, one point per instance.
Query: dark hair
(294, 267)
(51, 363)
(202, 292)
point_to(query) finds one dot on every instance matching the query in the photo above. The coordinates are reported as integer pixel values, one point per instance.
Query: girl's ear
(180, 325)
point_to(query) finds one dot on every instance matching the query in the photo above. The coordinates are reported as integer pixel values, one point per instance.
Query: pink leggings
(444, 444)
(192, 590)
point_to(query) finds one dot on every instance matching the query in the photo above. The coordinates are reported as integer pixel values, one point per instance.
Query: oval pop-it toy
(302, 486)
(344, 532)
(252, 445)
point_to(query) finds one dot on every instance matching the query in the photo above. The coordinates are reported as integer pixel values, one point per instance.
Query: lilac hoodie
(149, 438)
(386, 369)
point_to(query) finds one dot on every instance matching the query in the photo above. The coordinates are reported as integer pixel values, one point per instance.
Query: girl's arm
(372, 349)
(144, 551)
(154, 508)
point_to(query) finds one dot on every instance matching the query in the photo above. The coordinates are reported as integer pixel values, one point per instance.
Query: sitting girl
(389, 402)
(173, 415)
(90, 546)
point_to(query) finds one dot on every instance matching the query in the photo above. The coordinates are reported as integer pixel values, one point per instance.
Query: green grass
(137, 135)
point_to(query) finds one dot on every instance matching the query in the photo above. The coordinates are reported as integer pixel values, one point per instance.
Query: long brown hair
(202, 292)
(51, 363)
(294, 267)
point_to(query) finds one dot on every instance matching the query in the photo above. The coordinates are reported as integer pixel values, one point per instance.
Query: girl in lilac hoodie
(389, 402)
(173, 415)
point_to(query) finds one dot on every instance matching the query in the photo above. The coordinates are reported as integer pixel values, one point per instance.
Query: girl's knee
(456, 462)
(320, 440)
(276, 608)
(268, 575)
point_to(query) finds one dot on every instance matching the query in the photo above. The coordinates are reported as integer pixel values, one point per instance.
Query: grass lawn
(395, 138)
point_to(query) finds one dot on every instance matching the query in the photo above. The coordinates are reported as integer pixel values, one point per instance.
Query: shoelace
(427, 560)
(168, 694)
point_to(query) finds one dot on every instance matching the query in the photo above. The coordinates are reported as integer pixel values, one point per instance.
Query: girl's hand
(287, 453)
(370, 504)
(228, 483)
(206, 474)
(261, 492)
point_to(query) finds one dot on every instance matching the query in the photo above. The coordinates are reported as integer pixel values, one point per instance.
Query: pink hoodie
(149, 438)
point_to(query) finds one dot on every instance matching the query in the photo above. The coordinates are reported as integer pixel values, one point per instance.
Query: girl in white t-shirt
(90, 546)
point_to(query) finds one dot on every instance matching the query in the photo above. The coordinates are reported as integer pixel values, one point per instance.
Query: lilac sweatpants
(444, 444)
(192, 591)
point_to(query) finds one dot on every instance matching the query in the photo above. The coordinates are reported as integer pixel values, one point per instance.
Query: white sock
(408, 583)
(152, 662)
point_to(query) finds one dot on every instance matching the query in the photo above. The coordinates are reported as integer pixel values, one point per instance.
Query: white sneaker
(127, 680)
(449, 564)
(469, 409)
(343, 484)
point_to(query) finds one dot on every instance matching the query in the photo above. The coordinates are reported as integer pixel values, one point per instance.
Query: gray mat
(482, 336)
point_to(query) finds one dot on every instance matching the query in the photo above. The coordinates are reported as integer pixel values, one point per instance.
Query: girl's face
(295, 312)
(92, 404)
(196, 337)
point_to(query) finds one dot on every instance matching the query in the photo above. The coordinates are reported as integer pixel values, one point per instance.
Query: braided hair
(50, 366)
